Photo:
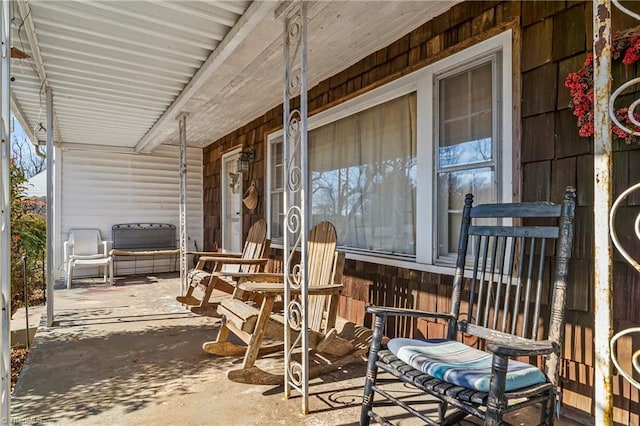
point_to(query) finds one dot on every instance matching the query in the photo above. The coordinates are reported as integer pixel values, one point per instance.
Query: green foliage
(18, 186)
(28, 238)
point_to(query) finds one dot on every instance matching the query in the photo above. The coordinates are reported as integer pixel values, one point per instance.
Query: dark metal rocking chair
(504, 292)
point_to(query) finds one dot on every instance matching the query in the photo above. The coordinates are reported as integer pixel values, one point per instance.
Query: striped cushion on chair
(461, 365)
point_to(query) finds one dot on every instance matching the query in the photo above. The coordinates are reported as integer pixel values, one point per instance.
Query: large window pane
(465, 149)
(277, 215)
(276, 189)
(363, 177)
(466, 117)
(277, 172)
(456, 91)
(481, 88)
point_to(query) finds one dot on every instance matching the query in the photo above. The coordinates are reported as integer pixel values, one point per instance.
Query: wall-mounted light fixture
(245, 158)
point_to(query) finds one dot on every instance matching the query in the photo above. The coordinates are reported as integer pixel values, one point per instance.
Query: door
(231, 203)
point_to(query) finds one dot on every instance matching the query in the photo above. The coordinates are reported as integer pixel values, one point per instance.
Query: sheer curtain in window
(363, 177)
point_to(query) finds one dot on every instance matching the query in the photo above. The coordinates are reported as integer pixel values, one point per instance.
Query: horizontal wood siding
(102, 190)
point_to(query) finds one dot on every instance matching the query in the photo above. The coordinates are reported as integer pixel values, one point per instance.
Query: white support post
(182, 124)
(603, 389)
(5, 221)
(50, 202)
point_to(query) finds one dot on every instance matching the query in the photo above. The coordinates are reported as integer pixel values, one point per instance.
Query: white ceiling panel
(121, 72)
(113, 66)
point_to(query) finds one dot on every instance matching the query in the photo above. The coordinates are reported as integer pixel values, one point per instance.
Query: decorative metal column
(182, 124)
(295, 202)
(635, 355)
(5, 219)
(603, 389)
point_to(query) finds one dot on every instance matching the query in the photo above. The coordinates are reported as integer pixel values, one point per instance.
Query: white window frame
(422, 82)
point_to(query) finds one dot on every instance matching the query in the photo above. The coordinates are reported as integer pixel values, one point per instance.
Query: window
(363, 177)
(276, 189)
(390, 168)
(465, 146)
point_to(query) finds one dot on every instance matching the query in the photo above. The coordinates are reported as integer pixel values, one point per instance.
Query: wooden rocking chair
(210, 270)
(505, 304)
(251, 321)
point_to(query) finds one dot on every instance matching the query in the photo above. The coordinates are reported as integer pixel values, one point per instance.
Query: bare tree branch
(25, 156)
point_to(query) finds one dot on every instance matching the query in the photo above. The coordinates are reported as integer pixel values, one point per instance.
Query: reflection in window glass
(466, 124)
(363, 167)
(465, 148)
(363, 177)
(276, 189)
(455, 186)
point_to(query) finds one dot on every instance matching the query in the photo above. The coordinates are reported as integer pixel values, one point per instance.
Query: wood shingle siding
(555, 38)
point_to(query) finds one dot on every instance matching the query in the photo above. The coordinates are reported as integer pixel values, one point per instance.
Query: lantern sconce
(245, 158)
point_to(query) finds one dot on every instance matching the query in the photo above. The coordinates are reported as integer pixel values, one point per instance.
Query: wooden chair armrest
(278, 288)
(245, 261)
(217, 261)
(252, 276)
(325, 290)
(206, 253)
(519, 348)
(219, 257)
(263, 287)
(414, 313)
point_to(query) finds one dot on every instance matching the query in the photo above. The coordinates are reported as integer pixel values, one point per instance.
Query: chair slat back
(85, 241)
(255, 246)
(504, 274)
(322, 261)
(508, 267)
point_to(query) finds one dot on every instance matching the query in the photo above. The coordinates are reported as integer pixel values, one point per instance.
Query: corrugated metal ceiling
(114, 66)
(122, 71)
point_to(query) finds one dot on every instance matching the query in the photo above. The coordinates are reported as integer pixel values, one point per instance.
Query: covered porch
(130, 354)
(148, 129)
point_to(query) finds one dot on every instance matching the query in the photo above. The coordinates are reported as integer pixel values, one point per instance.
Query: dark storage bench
(144, 247)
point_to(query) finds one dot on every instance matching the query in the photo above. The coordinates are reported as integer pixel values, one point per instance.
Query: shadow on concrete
(87, 372)
(101, 317)
(132, 355)
(132, 280)
(118, 281)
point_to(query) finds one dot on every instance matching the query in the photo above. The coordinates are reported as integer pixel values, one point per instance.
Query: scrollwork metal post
(295, 201)
(635, 356)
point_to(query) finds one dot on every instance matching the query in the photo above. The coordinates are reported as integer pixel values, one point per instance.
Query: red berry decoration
(625, 46)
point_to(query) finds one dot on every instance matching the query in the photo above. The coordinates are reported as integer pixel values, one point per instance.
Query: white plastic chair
(85, 247)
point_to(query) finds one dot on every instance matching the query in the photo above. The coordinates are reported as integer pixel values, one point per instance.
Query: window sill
(388, 260)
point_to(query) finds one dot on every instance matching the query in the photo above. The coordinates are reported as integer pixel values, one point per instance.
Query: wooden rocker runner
(212, 270)
(252, 322)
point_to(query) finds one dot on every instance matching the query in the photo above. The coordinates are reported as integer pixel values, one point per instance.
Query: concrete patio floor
(130, 354)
